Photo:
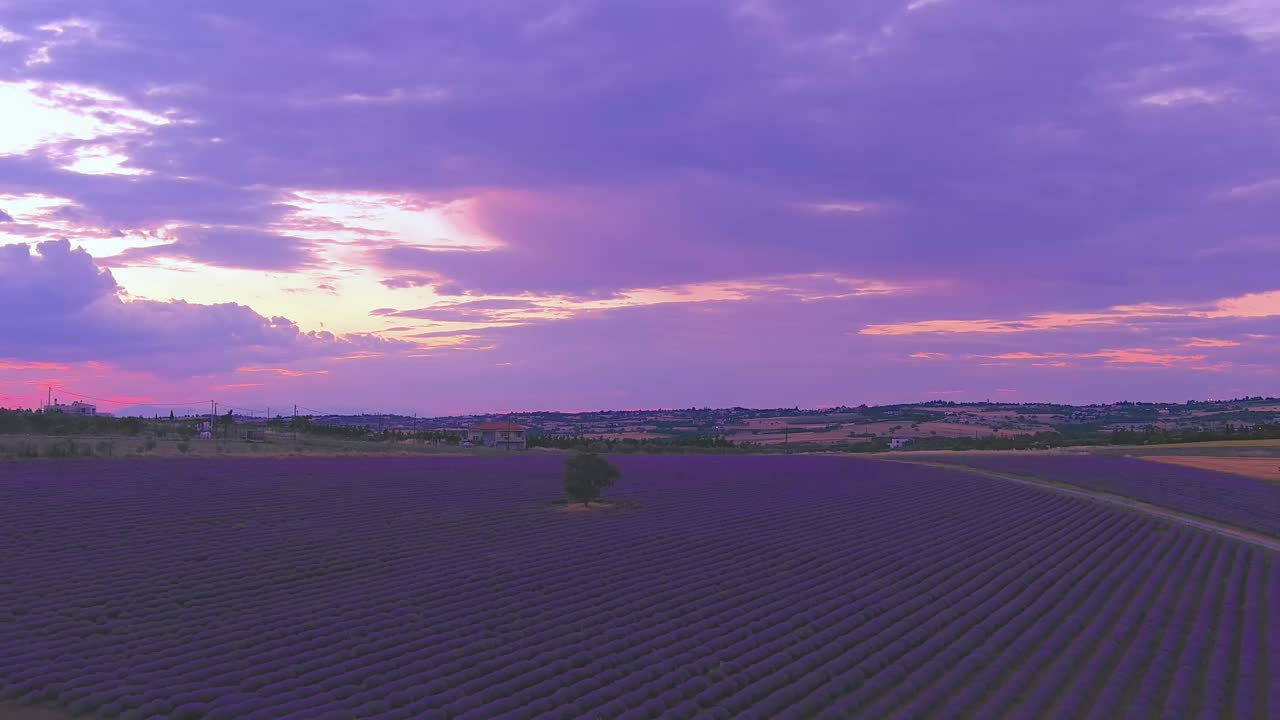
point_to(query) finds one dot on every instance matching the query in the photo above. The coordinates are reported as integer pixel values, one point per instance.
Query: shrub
(586, 475)
(184, 447)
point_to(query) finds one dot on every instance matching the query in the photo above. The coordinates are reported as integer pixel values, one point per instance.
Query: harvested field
(1262, 468)
(1241, 445)
(738, 586)
(761, 424)
(774, 435)
(840, 435)
(628, 435)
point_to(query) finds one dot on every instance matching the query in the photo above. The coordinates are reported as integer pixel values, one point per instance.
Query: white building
(75, 408)
(505, 435)
(896, 443)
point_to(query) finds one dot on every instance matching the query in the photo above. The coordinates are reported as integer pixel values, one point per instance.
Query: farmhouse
(505, 435)
(896, 443)
(75, 408)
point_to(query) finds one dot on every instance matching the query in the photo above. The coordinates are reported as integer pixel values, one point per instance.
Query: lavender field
(754, 587)
(1234, 499)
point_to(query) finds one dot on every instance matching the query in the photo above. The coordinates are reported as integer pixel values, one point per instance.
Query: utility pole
(295, 423)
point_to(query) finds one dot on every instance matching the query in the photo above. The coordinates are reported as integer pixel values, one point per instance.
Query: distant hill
(929, 421)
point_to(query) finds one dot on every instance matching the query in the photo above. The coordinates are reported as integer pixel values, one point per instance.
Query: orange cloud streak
(283, 372)
(1112, 356)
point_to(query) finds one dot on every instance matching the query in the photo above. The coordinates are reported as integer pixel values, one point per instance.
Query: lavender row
(1234, 499)
(729, 587)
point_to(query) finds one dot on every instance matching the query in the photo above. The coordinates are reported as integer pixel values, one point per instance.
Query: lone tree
(586, 474)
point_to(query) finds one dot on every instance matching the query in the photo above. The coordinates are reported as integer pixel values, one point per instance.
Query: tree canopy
(586, 475)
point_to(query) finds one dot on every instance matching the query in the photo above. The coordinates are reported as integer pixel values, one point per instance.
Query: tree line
(28, 422)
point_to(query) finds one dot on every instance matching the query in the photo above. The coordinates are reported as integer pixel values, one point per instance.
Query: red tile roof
(509, 426)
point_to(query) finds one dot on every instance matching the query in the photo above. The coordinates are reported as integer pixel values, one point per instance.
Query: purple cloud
(1005, 161)
(64, 307)
(232, 248)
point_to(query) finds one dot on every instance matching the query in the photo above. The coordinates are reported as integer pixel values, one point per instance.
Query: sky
(492, 206)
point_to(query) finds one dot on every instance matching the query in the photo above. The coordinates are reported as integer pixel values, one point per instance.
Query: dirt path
(1255, 538)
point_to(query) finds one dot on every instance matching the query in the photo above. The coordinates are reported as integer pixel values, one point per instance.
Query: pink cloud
(1024, 356)
(1210, 343)
(1253, 305)
(1142, 356)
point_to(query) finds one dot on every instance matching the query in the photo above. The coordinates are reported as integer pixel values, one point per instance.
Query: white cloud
(921, 4)
(559, 19)
(851, 207)
(394, 96)
(101, 160)
(61, 33)
(40, 217)
(1258, 19)
(1183, 96)
(31, 208)
(353, 216)
(1261, 187)
(44, 115)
